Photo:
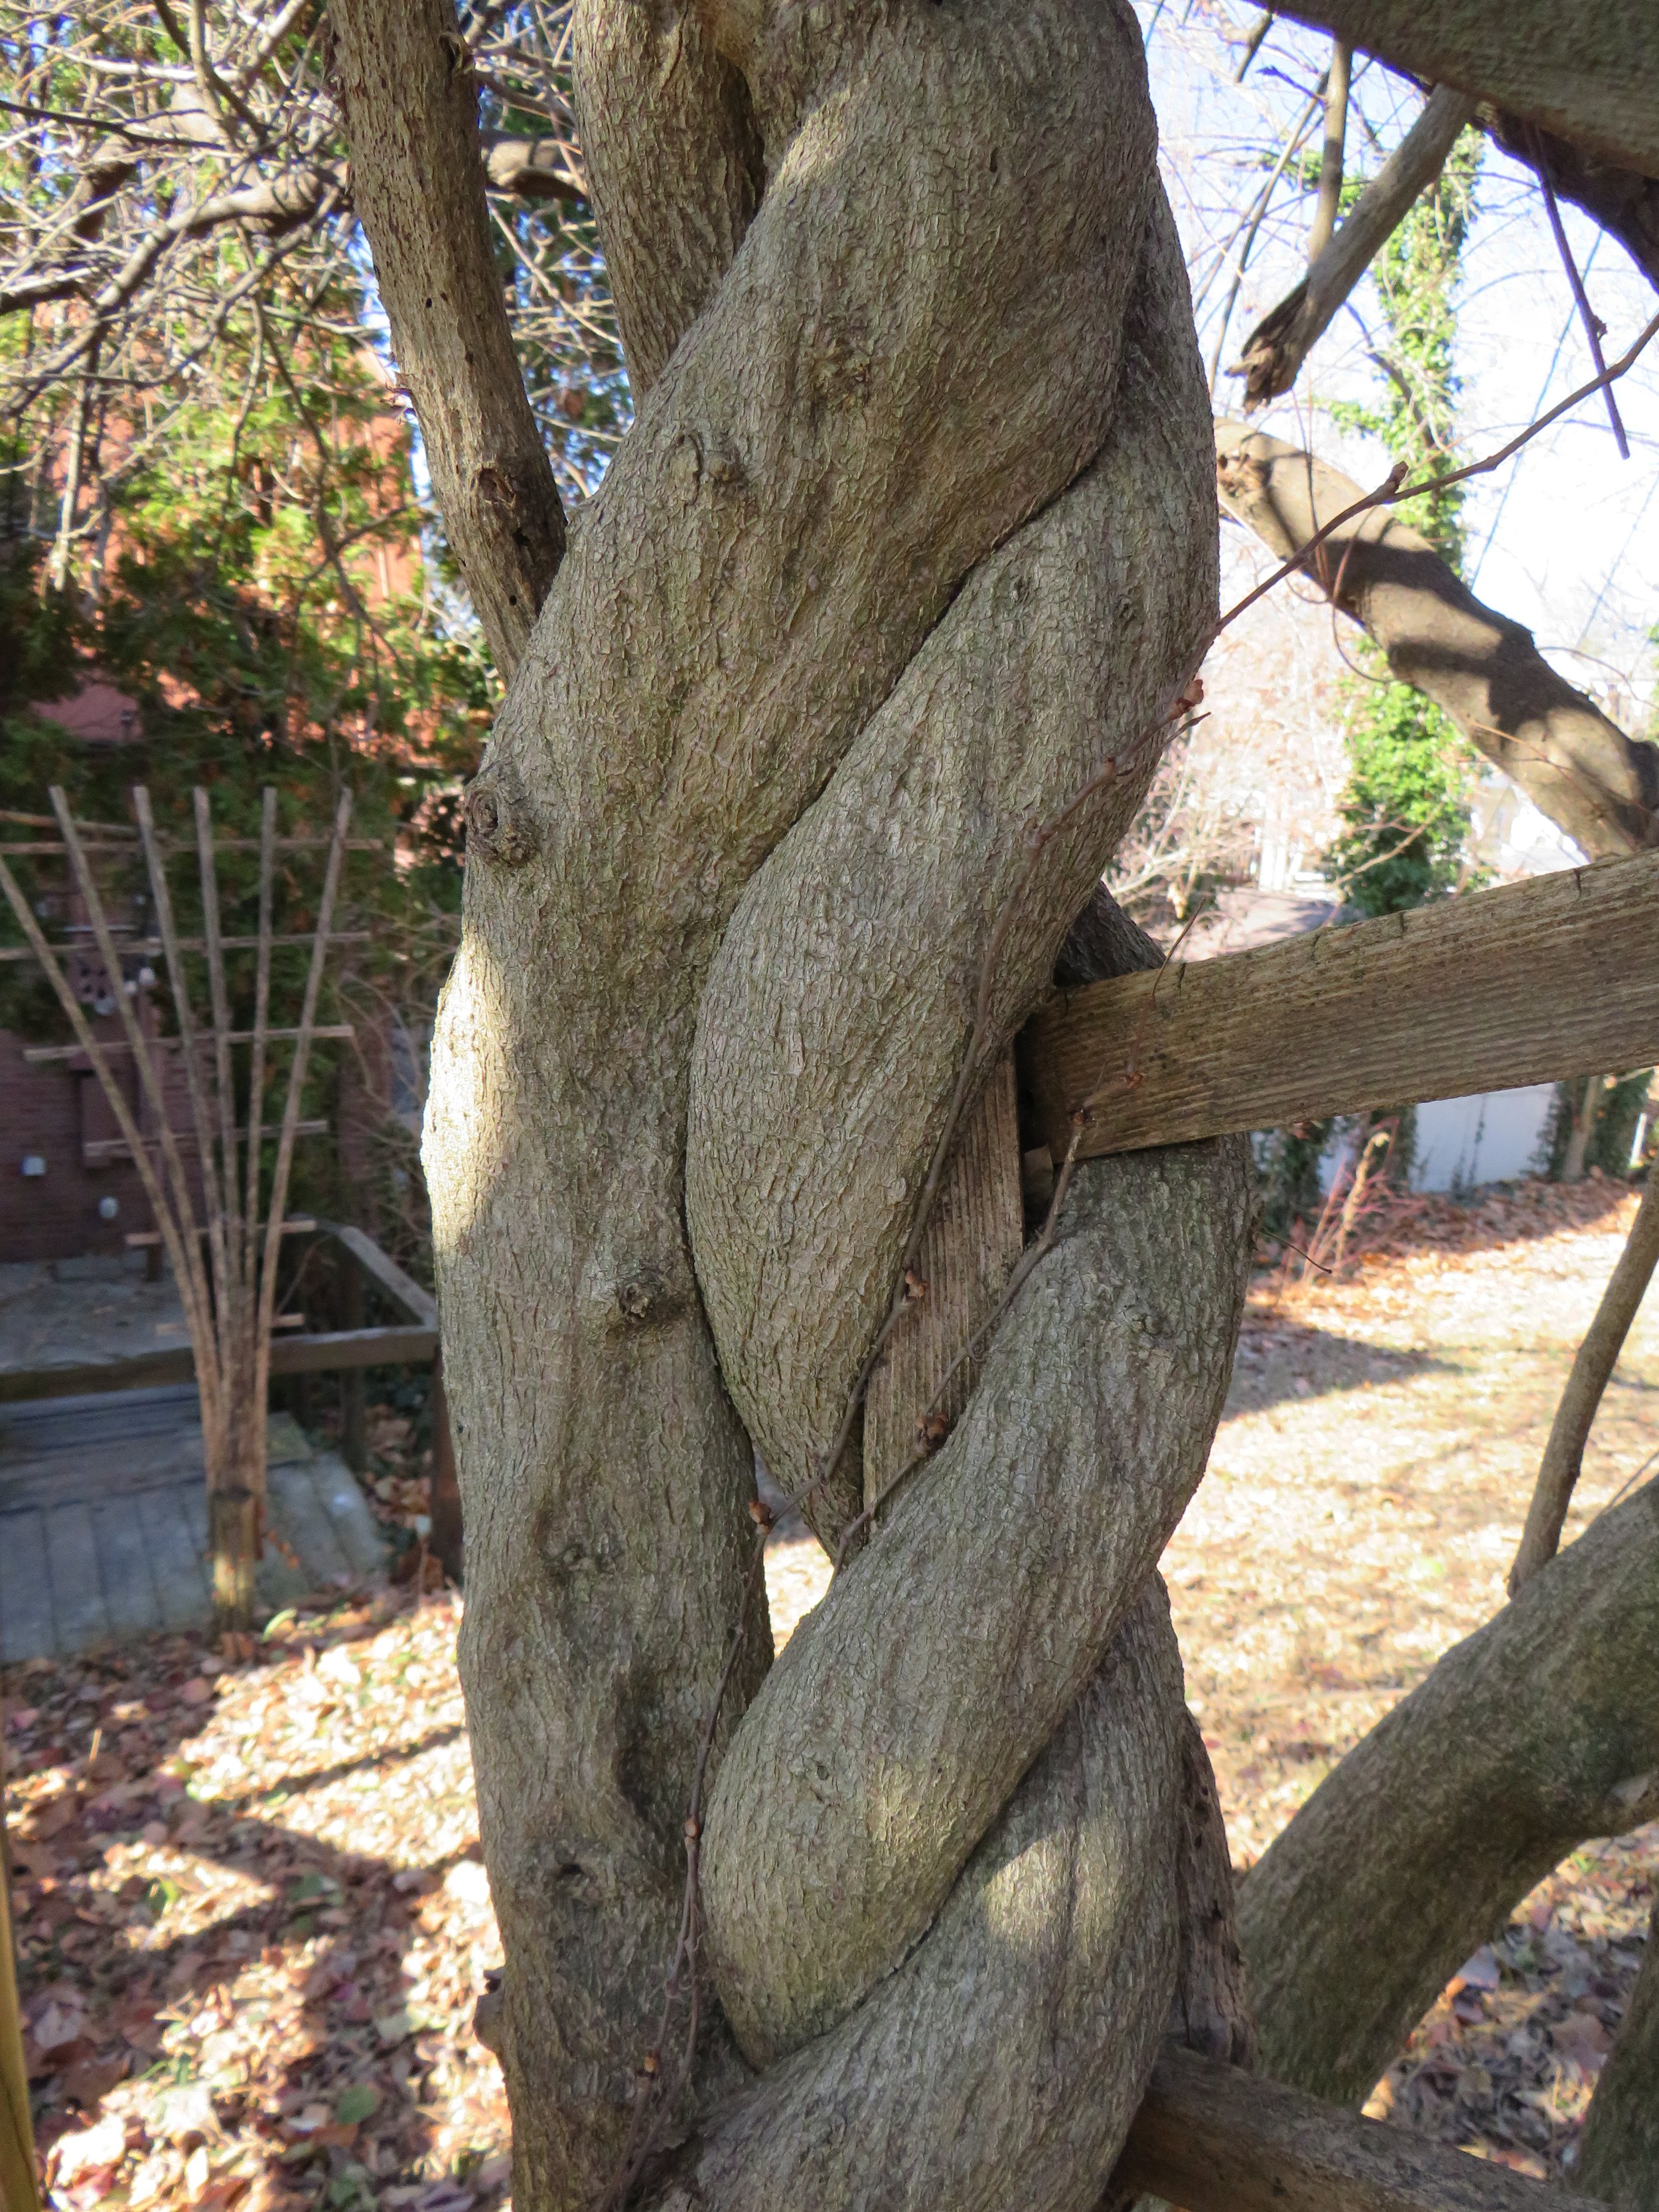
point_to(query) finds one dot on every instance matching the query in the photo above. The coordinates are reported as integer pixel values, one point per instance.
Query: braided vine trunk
(915, 533)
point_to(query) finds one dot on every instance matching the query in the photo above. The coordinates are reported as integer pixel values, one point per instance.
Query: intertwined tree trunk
(914, 534)
(846, 684)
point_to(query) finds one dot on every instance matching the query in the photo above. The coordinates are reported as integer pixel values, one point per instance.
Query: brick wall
(51, 1112)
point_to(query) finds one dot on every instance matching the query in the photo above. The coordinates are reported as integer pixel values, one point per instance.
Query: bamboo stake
(256, 1080)
(236, 1504)
(147, 1064)
(277, 1201)
(1592, 1368)
(219, 1002)
(214, 1417)
(196, 943)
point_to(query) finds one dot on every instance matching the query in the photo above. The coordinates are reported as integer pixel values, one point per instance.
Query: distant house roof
(97, 713)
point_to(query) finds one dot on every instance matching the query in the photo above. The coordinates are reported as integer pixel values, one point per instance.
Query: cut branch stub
(1282, 340)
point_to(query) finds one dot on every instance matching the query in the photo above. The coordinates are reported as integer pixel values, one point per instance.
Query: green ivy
(1405, 806)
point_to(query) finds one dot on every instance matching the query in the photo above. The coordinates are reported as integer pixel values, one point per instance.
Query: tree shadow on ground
(1279, 1359)
(283, 2015)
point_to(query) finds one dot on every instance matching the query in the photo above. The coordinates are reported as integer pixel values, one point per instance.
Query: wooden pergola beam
(1213, 2139)
(1552, 977)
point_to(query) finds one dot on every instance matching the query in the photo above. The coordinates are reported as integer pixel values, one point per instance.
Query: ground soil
(251, 1916)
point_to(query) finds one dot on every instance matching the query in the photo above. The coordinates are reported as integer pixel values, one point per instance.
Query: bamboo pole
(277, 1200)
(1592, 1367)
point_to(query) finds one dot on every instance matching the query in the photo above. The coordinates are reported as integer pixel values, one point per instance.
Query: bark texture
(879, 1751)
(1540, 1730)
(1591, 75)
(1001, 2060)
(1580, 768)
(913, 531)
(410, 104)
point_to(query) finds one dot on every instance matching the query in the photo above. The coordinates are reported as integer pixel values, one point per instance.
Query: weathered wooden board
(25, 1628)
(405, 1293)
(969, 1250)
(1553, 977)
(129, 1595)
(175, 1555)
(1217, 2139)
(328, 1351)
(77, 1588)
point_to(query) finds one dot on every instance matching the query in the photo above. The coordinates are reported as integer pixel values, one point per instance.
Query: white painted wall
(1461, 1142)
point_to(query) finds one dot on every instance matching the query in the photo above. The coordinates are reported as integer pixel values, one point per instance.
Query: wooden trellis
(224, 1253)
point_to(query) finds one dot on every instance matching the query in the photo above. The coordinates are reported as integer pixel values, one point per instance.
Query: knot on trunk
(499, 826)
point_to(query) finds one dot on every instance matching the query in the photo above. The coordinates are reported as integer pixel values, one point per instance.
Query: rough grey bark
(1592, 1367)
(877, 1754)
(1618, 2150)
(1580, 768)
(1328, 199)
(675, 176)
(1002, 2060)
(1218, 2142)
(1540, 1730)
(1054, 656)
(410, 104)
(1212, 2012)
(1276, 348)
(956, 322)
(1591, 75)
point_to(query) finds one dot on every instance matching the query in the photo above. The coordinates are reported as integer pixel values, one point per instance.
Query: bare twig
(1329, 202)
(1595, 329)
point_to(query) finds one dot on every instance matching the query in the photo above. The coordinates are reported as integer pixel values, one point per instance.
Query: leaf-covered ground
(251, 1917)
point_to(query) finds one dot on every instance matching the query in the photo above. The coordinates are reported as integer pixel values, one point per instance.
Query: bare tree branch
(1592, 1368)
(1580, 768)
(1282, 341)
(410, 97)
(1328, 205)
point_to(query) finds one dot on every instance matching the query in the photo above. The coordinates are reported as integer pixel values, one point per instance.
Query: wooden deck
(103, 1520)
